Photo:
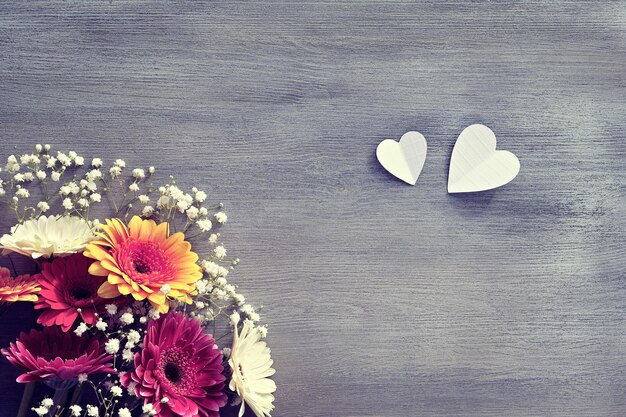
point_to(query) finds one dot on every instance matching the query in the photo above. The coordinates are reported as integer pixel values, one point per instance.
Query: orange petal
(160, 233)
(107, 290)
(97, 269)
(124, 289)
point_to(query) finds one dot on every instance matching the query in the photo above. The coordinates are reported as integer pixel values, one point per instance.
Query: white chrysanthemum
(47, 236)
(251, 363)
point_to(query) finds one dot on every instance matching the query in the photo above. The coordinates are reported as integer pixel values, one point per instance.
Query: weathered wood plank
(383, 299)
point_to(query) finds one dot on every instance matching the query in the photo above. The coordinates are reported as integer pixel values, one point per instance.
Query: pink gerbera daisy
(51, 355)
(181, 363)
(68, 290)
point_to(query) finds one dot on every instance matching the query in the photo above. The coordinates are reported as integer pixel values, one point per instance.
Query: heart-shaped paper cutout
(403, 159)
(476, 165)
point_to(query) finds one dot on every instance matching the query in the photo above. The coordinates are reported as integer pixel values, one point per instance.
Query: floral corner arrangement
(132, 320)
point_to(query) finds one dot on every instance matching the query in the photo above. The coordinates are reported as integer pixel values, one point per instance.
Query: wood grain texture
(382, 299)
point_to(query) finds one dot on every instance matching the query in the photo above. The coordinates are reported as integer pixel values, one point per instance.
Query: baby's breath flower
(220, 251)
(67, 204)
(192, 213)
(52, 161)
(143, 199)
(64, 159)
(148, 409)
(115, 171)
(124, 412)
(55, 176)
(111, 309)
(210, 268)
(147, 211)
(139, 173)
(94, 174)
(75, 410)
(262, 330)
(133, 187)
(151, 170)
(221, 217)
(128, 355)
(112, 346)
(182, 206)
(80, 329)
(200, 196)
(41, 175)
(40, 411)
(213, 238)
(96, 162)
(239, 298)
(116, 391)
(92, 411)
(120, 163)
(134, 336)
(127, 318)
(79, 161)
(22, 193)
(96, 197)
(205, 225)
(101, 325)
(12, 164)
(202, 286)
(47, 402)
(43, 206)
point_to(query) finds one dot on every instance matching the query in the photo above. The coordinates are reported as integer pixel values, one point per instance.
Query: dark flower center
(173, 372)
(81, 293)
(142, 266)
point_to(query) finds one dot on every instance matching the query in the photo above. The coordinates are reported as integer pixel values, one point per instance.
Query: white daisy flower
(48, 236)
(251, 363)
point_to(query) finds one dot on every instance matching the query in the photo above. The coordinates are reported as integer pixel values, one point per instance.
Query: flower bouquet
(133, 322)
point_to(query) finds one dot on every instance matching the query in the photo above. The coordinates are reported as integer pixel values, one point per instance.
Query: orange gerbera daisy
(141, 259)
(22, 288)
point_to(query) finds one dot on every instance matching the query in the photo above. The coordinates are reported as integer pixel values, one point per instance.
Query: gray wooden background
(382, 299)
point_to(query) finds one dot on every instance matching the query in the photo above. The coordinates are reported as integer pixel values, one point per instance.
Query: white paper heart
(404, 159)
(476, 165)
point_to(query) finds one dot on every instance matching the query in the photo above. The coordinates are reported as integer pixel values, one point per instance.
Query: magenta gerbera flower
(51, 355)
(181, 363)
(68, 290)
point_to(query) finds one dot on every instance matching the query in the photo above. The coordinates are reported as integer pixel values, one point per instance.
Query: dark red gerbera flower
(181, 363)
(51, 354)
(68, 291)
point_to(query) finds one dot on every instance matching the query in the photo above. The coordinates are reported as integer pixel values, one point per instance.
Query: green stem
(26, 397)
(76, 394)
(60, 396)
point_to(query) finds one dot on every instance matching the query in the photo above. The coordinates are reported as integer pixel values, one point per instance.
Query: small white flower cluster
(44, 407)
(216, 295)
(148, 410)
(173, 200)
(60, 184)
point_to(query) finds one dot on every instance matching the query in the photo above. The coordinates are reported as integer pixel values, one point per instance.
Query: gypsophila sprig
(132, 286)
